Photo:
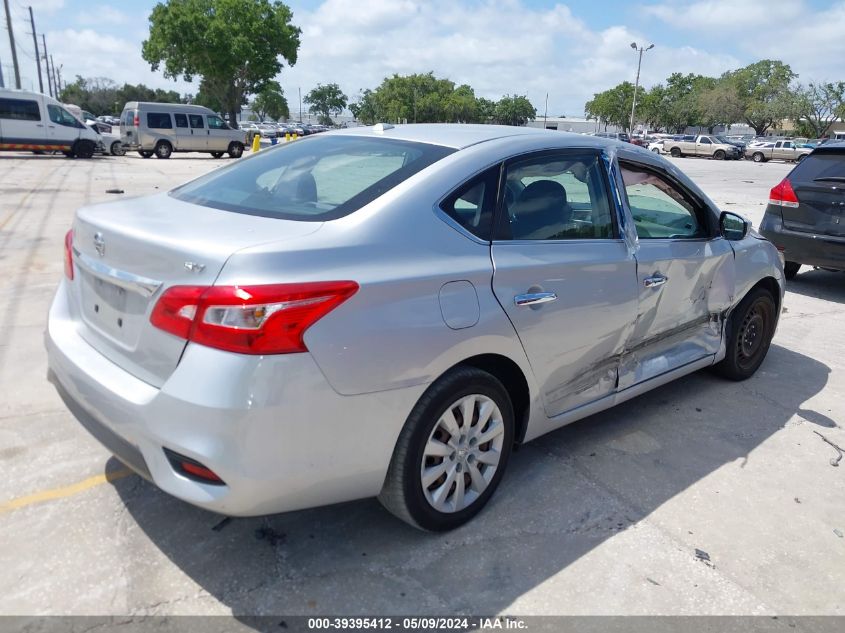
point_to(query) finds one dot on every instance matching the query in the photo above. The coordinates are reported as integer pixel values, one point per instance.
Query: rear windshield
(316, 179)
(820, 165)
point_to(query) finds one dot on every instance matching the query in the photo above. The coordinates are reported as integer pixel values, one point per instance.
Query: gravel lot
(701, 497)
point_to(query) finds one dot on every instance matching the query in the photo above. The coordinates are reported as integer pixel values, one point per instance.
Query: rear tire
(163, 150)
(719, 154)
(83, 148)
(749, 331)
(758, 157)
(217, 154)
(236, 149)
(145, 154)
(460, 433)
(790, 269)
(676, 152)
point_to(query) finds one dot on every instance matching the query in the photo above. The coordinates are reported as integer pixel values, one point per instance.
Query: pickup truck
(778, 150)
(704, 145)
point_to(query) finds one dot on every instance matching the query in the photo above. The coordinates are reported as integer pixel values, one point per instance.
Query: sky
(568, 50)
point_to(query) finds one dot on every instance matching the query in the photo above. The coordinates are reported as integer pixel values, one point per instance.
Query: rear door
(128, 127)
(685, 275)
(199, 138)
(819, 185)
(563, 275)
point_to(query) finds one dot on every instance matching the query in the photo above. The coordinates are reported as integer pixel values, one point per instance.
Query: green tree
(235, 46)
(326, 101)
(818, 105)
(720, 104)
(270, 101)
(763, 88)
(515, 110)
(485, 110)
(613, 106)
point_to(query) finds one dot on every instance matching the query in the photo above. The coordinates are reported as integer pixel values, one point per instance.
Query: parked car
(33, 121)
(164, 128)
(619, 136)
(656, 146)
(777, 150)
(287, 342)
(703, 145)
(111, 143)
(805, 217)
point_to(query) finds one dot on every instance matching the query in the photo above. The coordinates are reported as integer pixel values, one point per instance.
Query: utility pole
(12, 46)
(37, 58)
(637, 84)
(546, 111)
(59, 82)
(55, 79)
(300, 104)
(47, 66)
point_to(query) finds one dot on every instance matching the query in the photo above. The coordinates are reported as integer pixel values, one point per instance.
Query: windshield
(322, 178)
(723, 139)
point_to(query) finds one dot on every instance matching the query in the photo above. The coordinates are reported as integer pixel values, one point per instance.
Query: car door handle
(655, 280)
(534, 298)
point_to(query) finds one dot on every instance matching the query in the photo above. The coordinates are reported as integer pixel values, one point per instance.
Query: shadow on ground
(820, 284)
(563, 495)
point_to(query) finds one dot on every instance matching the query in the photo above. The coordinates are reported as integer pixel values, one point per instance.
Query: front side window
(556, 196)
(19, 110)
(659, 208)
(181, 120)
(60, 116)
(159, 121)
(705, 141)
(216, 123)
(196, 121)
(321, 178)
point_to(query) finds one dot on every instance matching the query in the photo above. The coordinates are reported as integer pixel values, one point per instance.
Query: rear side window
(181, 120)
(159, 120)
(821, 165)
(19, 110)
(472, 204)
(317, 179)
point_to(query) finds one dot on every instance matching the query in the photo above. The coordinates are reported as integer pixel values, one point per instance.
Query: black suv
(805, 218)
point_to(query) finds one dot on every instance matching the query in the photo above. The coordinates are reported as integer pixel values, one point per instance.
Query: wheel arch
(515, 382)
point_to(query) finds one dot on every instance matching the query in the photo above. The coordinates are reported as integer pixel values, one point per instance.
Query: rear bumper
(271, 427)
(811, 249)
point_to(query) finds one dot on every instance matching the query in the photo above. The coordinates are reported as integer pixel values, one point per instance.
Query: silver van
(164, 128)
(36, 122)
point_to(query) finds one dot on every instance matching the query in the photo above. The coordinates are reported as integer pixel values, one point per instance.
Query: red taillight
(268, 319)
(783, 194)
(69, 254)
(136, 120)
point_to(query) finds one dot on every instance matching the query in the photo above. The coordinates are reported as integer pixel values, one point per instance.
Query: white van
(164, 128)
(33, 121)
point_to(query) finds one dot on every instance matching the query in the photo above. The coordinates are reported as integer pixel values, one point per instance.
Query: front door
(219, 134)
(563, 275)
(685, 276)
(62, 128)
(704, 146)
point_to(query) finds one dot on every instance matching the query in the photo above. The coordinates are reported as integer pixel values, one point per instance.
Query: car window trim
(500, 195)
(444, 215)
(701, 208)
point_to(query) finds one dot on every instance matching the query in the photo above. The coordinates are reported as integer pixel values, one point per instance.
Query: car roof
(455, 135)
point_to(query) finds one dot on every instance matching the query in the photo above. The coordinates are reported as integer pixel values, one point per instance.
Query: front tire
(719, 154)
(790, 269)
(84, 148)
(452, 451)
(750, 329)
(656, 150)
(217, 154)
(163, 150)
(116, 149)
(145, 154)
(236, 149)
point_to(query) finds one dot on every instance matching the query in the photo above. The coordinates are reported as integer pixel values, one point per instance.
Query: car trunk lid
(126, 254)
(819, 185)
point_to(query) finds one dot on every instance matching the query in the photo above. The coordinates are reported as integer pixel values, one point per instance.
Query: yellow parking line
(66, 491)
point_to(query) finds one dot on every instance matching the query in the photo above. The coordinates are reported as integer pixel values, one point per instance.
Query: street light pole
(637, 83)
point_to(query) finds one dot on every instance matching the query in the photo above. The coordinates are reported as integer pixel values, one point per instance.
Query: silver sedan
(387, 311)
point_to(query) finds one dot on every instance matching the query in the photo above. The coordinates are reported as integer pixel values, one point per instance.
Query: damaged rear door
(563, 274)
(685, 276)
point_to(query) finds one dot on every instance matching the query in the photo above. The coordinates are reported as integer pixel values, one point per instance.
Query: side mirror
(732, 226)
